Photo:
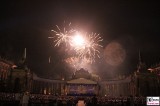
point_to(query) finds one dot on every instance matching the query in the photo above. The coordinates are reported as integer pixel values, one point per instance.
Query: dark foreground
(8, 99)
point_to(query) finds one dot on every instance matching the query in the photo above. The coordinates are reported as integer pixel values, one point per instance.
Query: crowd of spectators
(17, 99)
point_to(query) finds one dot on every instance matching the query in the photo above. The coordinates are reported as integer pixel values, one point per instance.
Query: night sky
(132, 25)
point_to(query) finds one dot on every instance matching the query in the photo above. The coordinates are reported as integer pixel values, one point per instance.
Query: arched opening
(17, 85)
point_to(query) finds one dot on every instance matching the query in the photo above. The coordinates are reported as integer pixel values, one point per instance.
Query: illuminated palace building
(142, 82)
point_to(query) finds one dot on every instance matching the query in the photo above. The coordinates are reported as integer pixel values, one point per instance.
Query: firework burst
(89, 49)
(86, 46)
(77, 63)
(62, 35)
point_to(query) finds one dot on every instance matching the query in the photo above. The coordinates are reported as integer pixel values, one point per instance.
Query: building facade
(21, 79)
(5, 71)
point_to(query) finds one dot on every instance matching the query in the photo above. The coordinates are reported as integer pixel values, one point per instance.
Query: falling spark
(49, 59)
